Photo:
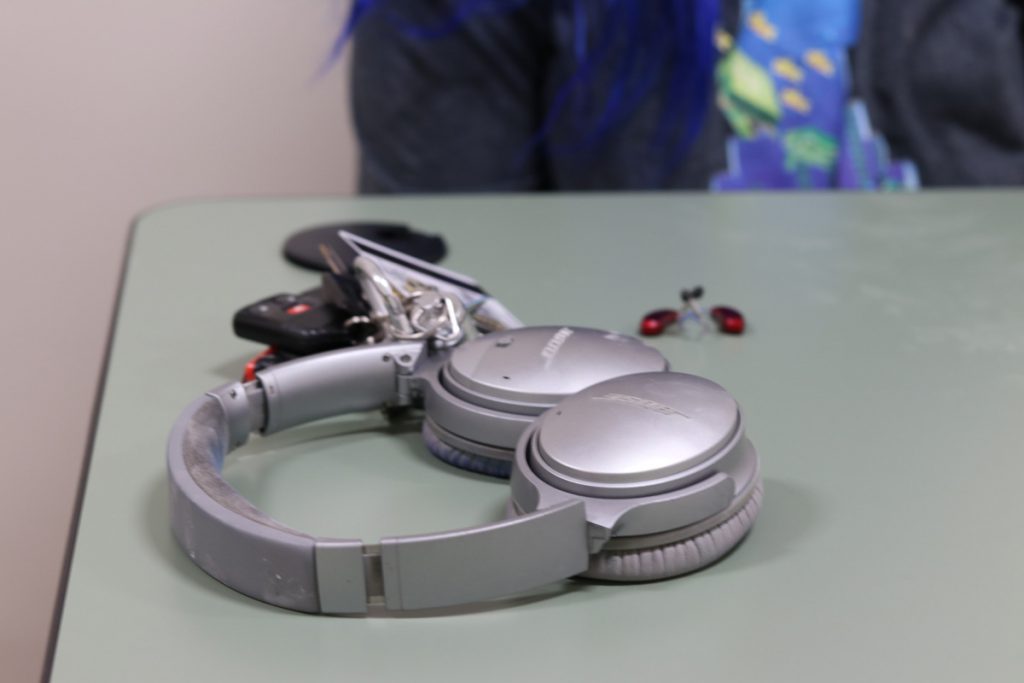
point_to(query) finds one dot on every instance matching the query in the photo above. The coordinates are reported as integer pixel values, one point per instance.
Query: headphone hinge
(404, 366)
(236, 402)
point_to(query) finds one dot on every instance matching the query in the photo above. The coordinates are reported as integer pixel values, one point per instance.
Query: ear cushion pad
(680, 557)
(480, 464)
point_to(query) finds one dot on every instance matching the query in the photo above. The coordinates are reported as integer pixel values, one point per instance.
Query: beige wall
(108, 107)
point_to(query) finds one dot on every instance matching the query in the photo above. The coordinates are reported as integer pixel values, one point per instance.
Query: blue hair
(645, 37)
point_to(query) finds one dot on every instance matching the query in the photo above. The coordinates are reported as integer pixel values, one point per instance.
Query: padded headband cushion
(204, 447)
(480, 464)
(221, 531)
(680, 557)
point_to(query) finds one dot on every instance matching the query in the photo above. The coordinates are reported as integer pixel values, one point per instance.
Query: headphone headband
(661, 461)
(245, 549)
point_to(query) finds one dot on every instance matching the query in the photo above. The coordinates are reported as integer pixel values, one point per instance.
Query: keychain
(726, 319)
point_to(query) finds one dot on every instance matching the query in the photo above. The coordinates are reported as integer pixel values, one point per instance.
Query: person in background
(521, 95)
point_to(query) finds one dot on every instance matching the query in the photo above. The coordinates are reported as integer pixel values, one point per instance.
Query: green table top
(881, 379)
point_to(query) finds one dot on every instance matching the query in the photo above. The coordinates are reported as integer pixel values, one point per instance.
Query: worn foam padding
(480, 464)
(246, 550)
(680, 557)
(222, 532)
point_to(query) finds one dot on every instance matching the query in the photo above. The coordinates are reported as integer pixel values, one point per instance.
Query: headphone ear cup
(480, 464)
(679, 557)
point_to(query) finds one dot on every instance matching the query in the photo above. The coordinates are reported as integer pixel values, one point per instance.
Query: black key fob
(301, 324)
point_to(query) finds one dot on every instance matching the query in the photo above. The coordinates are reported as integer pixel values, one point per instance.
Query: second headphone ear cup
(679, 557)
(480, 464)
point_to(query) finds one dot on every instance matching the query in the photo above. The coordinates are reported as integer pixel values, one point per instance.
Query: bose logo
(644, 403)
(551, 349)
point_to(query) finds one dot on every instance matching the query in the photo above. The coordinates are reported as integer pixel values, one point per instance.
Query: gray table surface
(881, 378)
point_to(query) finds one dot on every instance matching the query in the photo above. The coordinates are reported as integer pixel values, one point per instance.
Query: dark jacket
(943, 81)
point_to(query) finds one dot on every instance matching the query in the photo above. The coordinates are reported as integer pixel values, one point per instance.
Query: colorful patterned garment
(475, 109)
(784, 85)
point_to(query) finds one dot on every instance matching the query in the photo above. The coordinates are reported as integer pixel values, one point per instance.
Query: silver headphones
(620, 470)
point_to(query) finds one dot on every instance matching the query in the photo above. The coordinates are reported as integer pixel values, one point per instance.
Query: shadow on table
(231, 371)
(788, 514)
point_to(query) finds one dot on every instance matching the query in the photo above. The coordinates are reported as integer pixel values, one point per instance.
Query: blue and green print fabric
(784, 85)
